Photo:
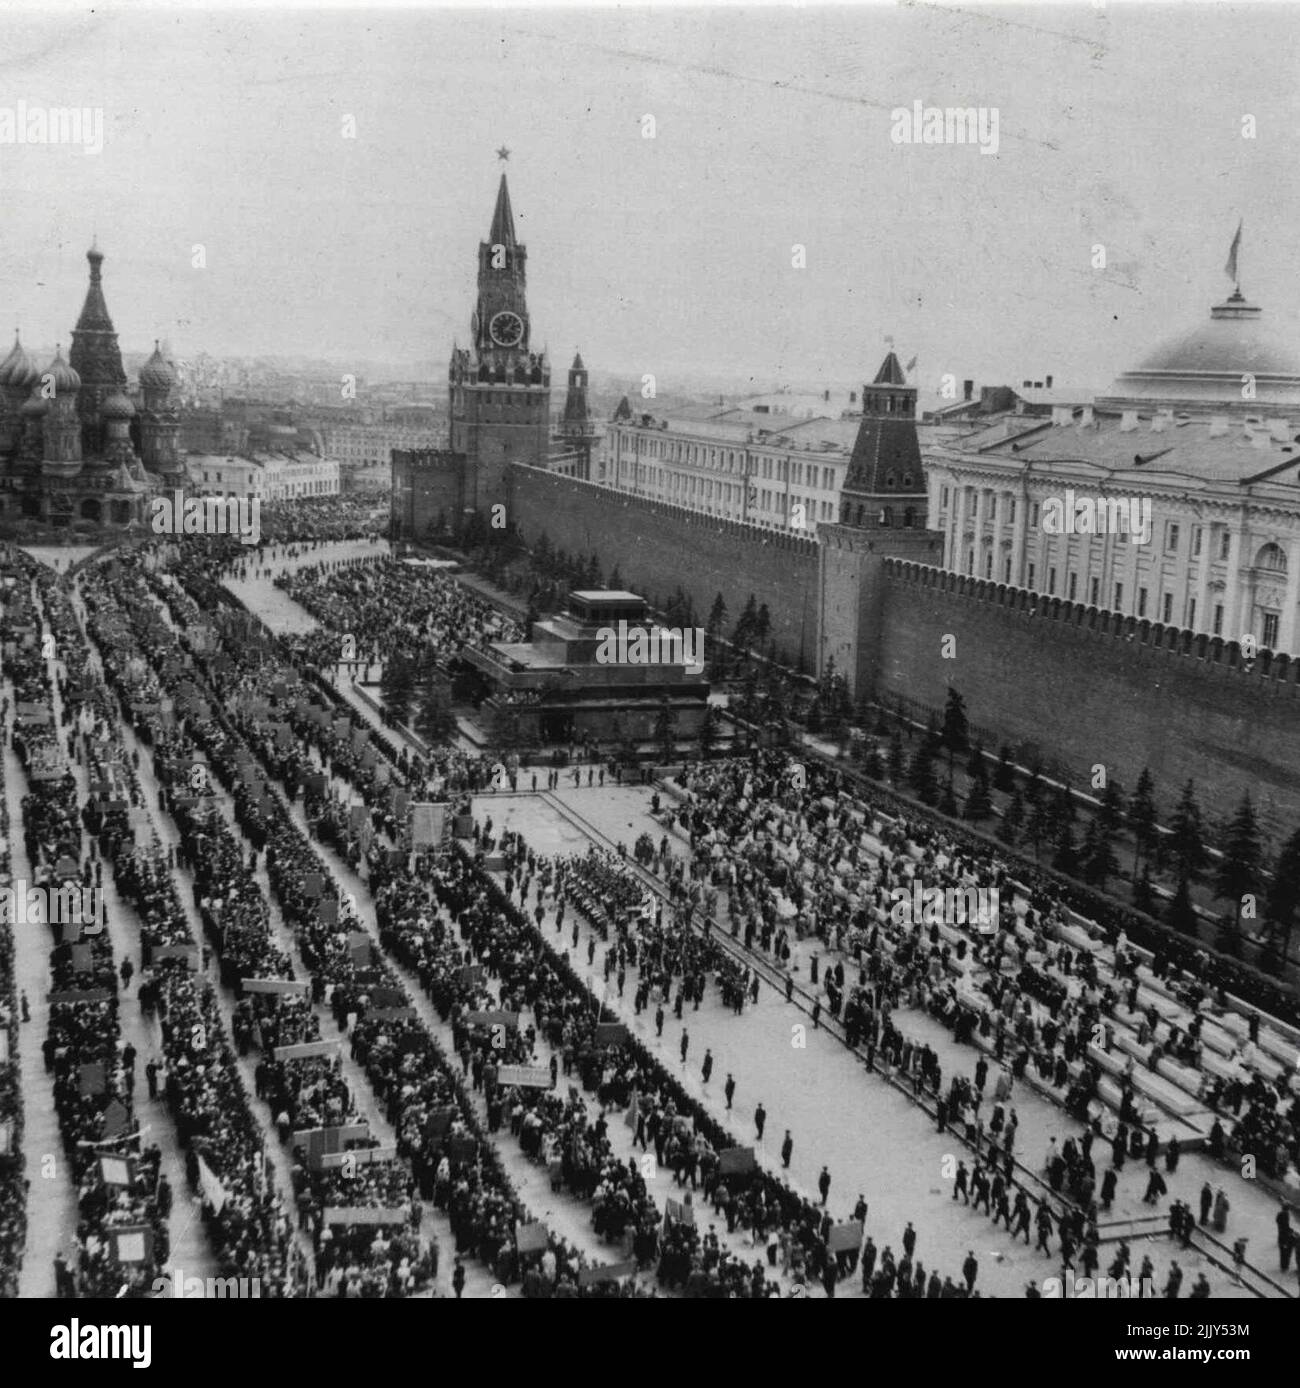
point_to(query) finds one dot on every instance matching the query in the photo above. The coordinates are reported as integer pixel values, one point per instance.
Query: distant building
(1204, 434)
(777, 471)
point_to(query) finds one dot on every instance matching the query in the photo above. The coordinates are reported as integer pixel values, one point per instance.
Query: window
(1119, 597)
(1225, 545)
(1029, 576)
(1196, 541)
(1094, 590)
(1006, 570)
(1191, 613)
(1011, 510)
(887, 516)
(1270, 631)
(907, 481)
(988, 564)
(1167, 609)
(993, 505)
(1074, 587)
(1171, 537)
(891, 479)
(1033, 514)
(943, 497)
(1218, 619)
(1142, 602)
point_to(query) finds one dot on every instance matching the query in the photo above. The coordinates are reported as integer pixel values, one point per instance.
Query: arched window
(891, 479)
(1271, 557)
(909, 517)
(887, 516)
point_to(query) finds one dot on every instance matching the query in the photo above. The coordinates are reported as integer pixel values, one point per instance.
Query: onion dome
(64, 377)
(117, 406)
(35, 406)
(19, 370)
(156, 373)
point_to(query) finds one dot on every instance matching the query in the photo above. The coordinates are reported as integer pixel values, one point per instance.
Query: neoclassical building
(75, 450)
(1205, 432)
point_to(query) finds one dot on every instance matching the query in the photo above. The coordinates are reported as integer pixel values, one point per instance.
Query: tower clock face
(506, 328)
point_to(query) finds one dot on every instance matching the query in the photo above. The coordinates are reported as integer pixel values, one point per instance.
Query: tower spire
(503, 219)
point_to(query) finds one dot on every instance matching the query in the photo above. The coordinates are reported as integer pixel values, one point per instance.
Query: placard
(610, 1033)
(327, 910)
(531, 1238)
(845, 1238)
(92, 1077)
(469, 975)
(116, 1171)
(313, 886)
(131, 1243)
(461, 1148)
(116, 1119)
(735, 1161)
(427, 820)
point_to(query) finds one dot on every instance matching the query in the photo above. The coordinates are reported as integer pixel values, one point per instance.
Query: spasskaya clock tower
(500, 389)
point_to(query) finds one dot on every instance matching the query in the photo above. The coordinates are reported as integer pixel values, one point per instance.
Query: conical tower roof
(503, 219)
(94, 353)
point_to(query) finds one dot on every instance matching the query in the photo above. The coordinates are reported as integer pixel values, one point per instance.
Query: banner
(304, 1050)
(361, 1156)
(362, 1214)
(493, 1019)
(81, 995)
(469, 975)
(273, 985)
(313, 886)
(613, 1273)
(116, 1119)
(525, 1076)
(213, 1191)
(327, 910)
(188, 953)
(387, 997)
(610, 1033)
(392, 1014)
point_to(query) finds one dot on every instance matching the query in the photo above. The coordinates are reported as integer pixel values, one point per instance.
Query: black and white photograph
(649, 653)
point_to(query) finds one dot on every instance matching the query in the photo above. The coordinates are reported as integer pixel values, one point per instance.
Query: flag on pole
(911, 365)
(1230, 269)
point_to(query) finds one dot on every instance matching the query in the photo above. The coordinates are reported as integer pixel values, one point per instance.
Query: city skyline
(220, 136)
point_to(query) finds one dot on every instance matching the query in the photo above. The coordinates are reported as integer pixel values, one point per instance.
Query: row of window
(733, 460)
(1271, 620)
(1172, 529)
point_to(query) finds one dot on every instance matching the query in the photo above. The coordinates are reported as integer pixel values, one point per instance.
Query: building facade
(774, 471)
(1174, 497)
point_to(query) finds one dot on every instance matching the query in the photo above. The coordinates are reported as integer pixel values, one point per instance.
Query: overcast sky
(1120, 125)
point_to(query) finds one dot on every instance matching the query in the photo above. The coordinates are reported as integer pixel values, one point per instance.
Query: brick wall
(657, 546)
(1087, 687)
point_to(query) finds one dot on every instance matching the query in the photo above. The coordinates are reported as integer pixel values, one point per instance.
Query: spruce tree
(924, 780)
(1180, 913)
(1004, 778)
(1013, 821)
(1186, 839)
(979, 805)
(947, 800)
(1142, 816)
(897, 759)
(1283, 903)
(1238, 872)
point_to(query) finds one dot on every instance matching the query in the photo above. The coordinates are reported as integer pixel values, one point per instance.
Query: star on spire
(503, 154)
